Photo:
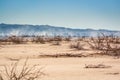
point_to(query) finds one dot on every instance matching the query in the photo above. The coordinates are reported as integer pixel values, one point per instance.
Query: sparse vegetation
(68, 38)
(75, 49)
(77, 45)
(96, 43)
(106, 45)
(26, 73)
(39, 39)
(57, 38)
(16, 40)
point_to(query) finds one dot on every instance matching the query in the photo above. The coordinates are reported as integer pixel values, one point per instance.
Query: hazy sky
(97, 14)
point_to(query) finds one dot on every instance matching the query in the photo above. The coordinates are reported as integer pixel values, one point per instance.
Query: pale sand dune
(61, 68)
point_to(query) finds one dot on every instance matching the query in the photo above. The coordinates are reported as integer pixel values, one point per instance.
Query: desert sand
(61, 68)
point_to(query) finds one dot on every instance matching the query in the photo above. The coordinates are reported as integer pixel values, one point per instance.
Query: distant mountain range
(47, 30)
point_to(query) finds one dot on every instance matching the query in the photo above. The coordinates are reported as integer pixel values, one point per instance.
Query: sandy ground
(34, 50)
(61, 68)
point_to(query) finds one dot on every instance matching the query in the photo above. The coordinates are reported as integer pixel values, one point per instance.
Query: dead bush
(3, 40)
(111, 49)
(26, 73)
(77, 45)
(106, 45)
(39, 39)
(57, 38)
(16, 39)
(96, 43)
(67, 38)
(116, 40)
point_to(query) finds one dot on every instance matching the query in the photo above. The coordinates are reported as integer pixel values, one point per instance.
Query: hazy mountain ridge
(18, 30)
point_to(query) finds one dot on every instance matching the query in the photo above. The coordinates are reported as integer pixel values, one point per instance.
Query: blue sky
(96, 14)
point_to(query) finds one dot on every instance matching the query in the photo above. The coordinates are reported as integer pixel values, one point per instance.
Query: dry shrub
(106, 45)
(114, 39)
(68, 38)
(77, 45)
(39, 39)
(36, 39)
(117, 40)
(54, 39)
(3, 40)
(16, 39)
(26, 73)
(83, 38)
(96, 43)
(111, 49)
(57, 38)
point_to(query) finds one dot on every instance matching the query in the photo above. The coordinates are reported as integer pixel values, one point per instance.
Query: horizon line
(57, 26)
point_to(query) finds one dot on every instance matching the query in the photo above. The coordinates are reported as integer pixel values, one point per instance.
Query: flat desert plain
(61, 68)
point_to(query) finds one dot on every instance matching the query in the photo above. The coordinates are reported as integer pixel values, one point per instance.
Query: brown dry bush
(96, 43)
(111, 49)
(77, 45)
(26, 73)
(16, 39)
(4, 41)
(67, 38)
(82, 38)
(39, 39)
(57, 38)
(106, 45)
